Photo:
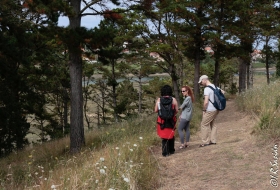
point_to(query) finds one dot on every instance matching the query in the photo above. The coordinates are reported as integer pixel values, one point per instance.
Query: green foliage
(228, 68)
(127, 98)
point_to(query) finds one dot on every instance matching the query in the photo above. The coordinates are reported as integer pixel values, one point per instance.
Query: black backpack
(166, 112)
(219, 99)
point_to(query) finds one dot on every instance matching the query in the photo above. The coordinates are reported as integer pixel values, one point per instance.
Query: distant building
(156, 56)
(257, 54)
(209, 50)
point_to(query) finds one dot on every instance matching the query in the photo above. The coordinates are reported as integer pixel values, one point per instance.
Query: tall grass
(119, 156)
(263, 102)
(116, 157)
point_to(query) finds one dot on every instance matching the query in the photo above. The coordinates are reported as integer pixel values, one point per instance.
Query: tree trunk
(196, 72)
(174, 79)
(65, 110)
(217, 53)
(114, 93)
(198, 45)
(217, 70)
(140, 96)
(242, 76)
(267, 69)
(266, 59)
(77, 139)
(249, 75)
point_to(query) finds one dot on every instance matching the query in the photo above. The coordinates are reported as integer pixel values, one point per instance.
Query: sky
(87, 21)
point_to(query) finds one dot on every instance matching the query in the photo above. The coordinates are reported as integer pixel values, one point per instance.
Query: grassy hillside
(263, 103)
(119, 156)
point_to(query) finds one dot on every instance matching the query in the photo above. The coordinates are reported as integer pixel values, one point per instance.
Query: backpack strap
(213, 91)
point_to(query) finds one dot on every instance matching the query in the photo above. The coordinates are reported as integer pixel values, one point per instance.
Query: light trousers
(208, 127)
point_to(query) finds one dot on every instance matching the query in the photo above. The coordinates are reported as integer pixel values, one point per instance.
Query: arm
(185, 103)
(205, 103)
(156, 106)
(175, 104)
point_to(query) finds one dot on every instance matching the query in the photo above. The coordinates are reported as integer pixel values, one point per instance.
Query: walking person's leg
(205, 126)
(164, 147)
(213, 127)
(171, 144)
(188, 133)
(181, 129)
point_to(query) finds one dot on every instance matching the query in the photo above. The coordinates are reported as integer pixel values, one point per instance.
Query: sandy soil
(237, 162)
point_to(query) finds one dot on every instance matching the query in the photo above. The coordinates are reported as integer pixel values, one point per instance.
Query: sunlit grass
(117, 156)
(263, 102)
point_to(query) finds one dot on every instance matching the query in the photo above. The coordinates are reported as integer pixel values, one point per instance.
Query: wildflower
(140, 138)
(102, 159)
(117, 148)
(53, 186)
(46, 179)
(36, 173)
(30, 156)
(126, 179)
(135, 145)
(131, 150)
(105, 167)
(96, 181)
(111, 189)
(29, 163)
(102, 171)
(119, 154)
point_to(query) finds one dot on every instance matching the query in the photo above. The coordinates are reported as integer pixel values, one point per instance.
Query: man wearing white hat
(208, 128)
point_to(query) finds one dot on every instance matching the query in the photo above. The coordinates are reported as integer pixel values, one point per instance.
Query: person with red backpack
(167, 108)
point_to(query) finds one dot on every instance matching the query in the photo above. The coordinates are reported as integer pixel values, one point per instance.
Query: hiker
(166, 127)
(208, 128)
(185, 116)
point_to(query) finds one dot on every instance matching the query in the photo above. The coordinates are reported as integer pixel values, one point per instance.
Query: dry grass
(263, 103)
(116, 157)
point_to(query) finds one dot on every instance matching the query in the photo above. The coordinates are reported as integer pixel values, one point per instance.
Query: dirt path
(236, 162)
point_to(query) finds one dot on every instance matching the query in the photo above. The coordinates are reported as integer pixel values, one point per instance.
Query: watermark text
(274, 167)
